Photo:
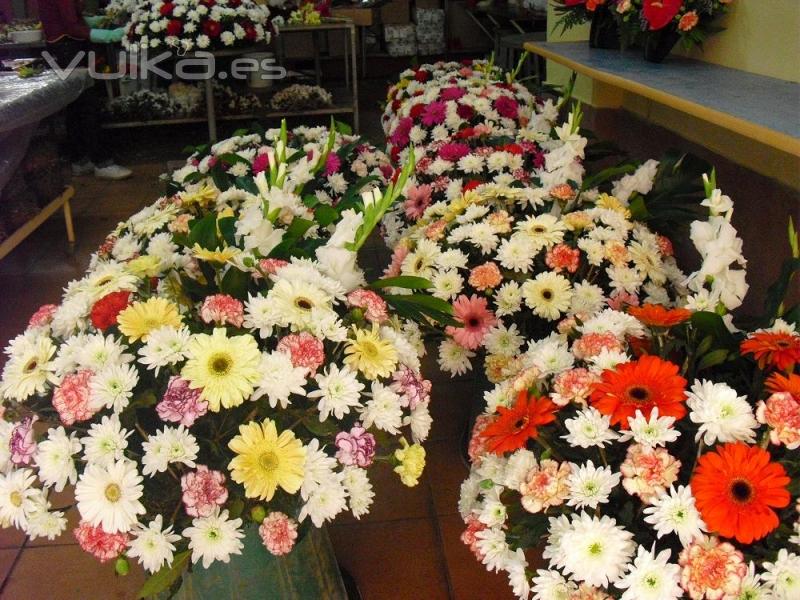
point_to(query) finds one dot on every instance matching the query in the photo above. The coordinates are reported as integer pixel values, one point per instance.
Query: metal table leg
(210, 112)
(354, 67)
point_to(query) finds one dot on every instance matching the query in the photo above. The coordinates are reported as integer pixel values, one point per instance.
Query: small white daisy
(589, 486)
(215, 537)
(675, 512)
(153, 545)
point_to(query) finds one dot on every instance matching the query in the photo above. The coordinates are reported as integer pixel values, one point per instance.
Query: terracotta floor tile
(400, 560)
(71, 574)
(10, 537)
(469, 578)
(7, 558)
(446, 471)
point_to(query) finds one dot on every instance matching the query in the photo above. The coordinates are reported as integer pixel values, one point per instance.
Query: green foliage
(163, 579)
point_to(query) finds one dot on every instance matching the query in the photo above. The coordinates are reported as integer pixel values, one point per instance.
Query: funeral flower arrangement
(191, 25)
(300, 97)
(649, 450)
(223, 361)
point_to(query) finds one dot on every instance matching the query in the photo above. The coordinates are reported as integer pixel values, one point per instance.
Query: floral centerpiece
(191, 25)
(223, 361)
(301, 97)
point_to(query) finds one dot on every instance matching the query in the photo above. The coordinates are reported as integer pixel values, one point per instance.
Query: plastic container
(266, 62)
(26, 36)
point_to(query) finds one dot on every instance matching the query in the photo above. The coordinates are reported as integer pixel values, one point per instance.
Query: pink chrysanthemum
(100, 544)
(485, 277)
(222, 309)
(181, 403)
(398, 256)
(332, 164)
(781, 412)
(476, 320)
(434, 113)
(469, 535)
(711, 570)
(304, 349)
(507, 107)
(278, 532)
(412, 387)
(260, 163)
(452, 93)
(453, 152)
(72, 399)
(355, 447)
(561, 257)
(399, 136)
(375, 309)
(545, 485)
(592, 344)
(43, 316)
(203, 491)
(574, 385)
(22, 443)
(648, 472)
(418, 198)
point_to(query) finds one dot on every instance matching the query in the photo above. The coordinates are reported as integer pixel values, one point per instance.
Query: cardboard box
(362, 17)
(397, 12)
(427, 4)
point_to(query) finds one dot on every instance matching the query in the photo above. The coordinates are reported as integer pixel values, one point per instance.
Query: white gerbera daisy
(54, 458)
(589, 486)
(30, 369)
(453, 358)
(279, 379)
(339, 391)
(106, 442)
(214, 537)
(548, 295)
(589, 428)
(168, 446)
(294, 302)
(650, 432)
(723, 416)
(675, 512)
(113, 386)
(383, 409)
(18, 497)
(109, 497)
(543, 230)
(165, 346)
(595, 550)
(651, 577)
(153, 545)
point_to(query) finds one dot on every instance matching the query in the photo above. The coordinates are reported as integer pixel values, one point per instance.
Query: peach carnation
(72, 399)
(561, 257)
(781, 412)
(485, 276)
(592, 344)
(711, 570)
(648, 472)
(278, 532)
(545, 486)
(102, 545)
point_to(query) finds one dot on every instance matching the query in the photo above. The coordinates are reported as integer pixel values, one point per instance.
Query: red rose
(212, 28)
(166, 9)
(104, 312)
(659, 13)
(417, 110)
(422, 76)
(174, 27)
(465, 112)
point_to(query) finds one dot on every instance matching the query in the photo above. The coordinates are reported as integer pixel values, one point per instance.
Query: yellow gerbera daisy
(145, 266)
(220, 256)
(140, 318)
(612, 203)
(370, 354)
(203, 196)
(265, 460)
(225, 368)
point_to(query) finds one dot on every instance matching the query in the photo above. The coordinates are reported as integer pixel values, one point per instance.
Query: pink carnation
(260, 163)
(781, 412)
(100, 544)
(453, 152)
(648, 472)
(434, 113)
(592, 344)
(573, 385)
(181, 403)
(203, 491)
(43, 316)
(72, 399)
(22, 443)
(476, 320)
(222, 309)
(561, 257)
(278, 532)
(418, 199)
(477, 443)
(545, 485)
(619, 300)
(374, 306)
(356, 447)
(470, 537)
(711, 570)
(413, 389)
(270, 266)
(304, 349)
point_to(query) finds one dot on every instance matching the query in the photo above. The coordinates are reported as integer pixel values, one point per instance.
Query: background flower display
(222, 361)
(301, 97)
(190, 25)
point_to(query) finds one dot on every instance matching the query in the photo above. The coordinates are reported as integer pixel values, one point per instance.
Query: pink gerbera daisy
(476, 319)
(418, 199)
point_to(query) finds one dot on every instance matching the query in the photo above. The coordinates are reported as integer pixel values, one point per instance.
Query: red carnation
(212, 28)
(506, 107)
(659, 13)
(465, 133)
(395, 105)
(234, 3)
(421, 76)
(417, 110)
(512, 148)
(250, 32)
(105, 311)
(166, 9)
(471, 185)
(465, 112)
(174, 27)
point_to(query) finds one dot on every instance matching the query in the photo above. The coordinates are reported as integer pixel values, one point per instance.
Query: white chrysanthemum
(508, 299)
(18, 497)
(359, 490)
(279, 379)
(589, 486)
(327, 500)
(517, 468)
(723, 416)
(164, 347)
(168, 446)
(30, 369)
(589, 428)
(452, 259)
(587, 298)
(548, 295)
(650, 432)
(675, 512)
(447, 284)
(453, 358)
(651, 577)
(383, 409)
(783, 576)
(595, 550)
(45, 523)
(260, 314)
(517, 569)
(502, 340)
(339, 391)
(420, 422)
(6, 429)
(552, 585)
(493, 546)
(106, 442)
(492, 512)
(468, 494)
(406, 344)
(113, 386)
(607, 359)
(54, 458)
(752, 587)
(215, 537)
(153, 545)
(622, 325)
(319, 467)
(516, 253)
(98, 352)
(108, 497)
(550, 355)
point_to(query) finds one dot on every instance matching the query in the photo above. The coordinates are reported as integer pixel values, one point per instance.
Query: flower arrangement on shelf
(222, 362)
(191, 25)
(300, 97)
(148, 105)
(647, 450)
(308, 13)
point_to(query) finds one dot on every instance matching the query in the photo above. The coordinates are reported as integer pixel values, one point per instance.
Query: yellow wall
(761, 36)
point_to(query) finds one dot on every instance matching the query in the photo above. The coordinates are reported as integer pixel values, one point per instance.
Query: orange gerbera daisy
(516, 425)
(643, 385)
(777, 349)
(657, 315)
(778, 382)
(735, 489)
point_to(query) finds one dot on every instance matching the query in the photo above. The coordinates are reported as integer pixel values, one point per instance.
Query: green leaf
(203, 232)
(194, 177)
(712, 359)
(777, 291)
(404, 281)
(246, 183)
(310, 200)
(235, 283)
(344, 128)
(711, 324)
(605, 175)
(221, 179)
(325, 215)
(232, 158)
(322, 429)
(227, 227)
(418, 307)
(166, 576)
